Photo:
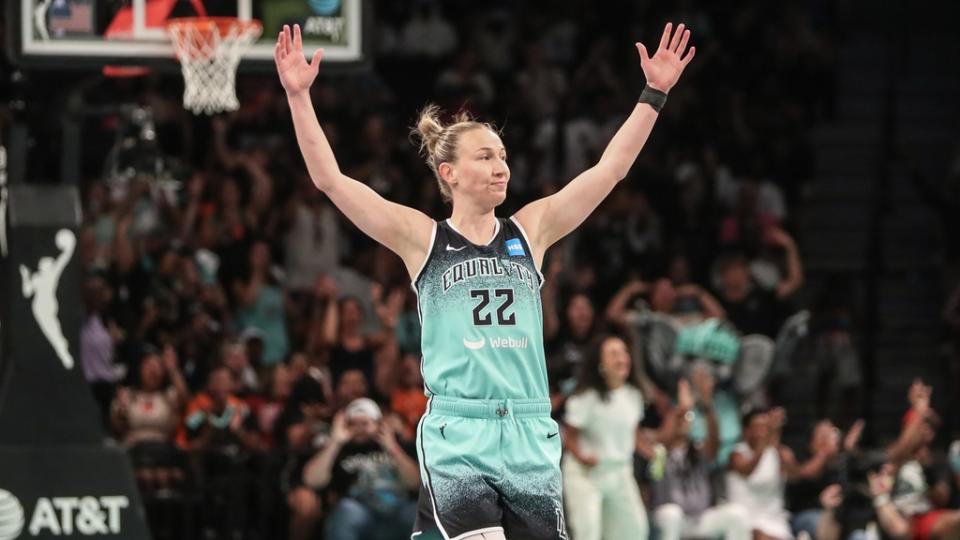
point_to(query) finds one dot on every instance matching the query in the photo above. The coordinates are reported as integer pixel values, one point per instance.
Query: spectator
(603, 431)
(98, 337)
(567, 349)
(752, 308)
(218, 420)
(352, 385)
(145, 419)
(758, 207)
(849, 512)
(312, 238)
(684, 306)
(683, 498)
(757, 476)
(234, 357)
(916, 484)
(370, 475)
(266, 408)
(303, 425)
(408, 400)
(350, 347)
(304, 429)
(221, 437)
(261, 304)
(760, 466)
(824, 469)
(835, 354)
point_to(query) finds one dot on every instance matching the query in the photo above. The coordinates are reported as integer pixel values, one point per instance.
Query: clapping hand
(703, 384)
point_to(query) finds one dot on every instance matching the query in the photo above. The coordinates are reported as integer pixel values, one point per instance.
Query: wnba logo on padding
(324, 7)
(11, 516)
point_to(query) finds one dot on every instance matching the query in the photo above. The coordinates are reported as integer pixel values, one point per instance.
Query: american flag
(70, 17)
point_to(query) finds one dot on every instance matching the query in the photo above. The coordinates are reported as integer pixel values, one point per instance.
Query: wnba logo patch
(515, 248)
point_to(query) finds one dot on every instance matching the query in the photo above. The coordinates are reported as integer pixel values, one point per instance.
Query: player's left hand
(663, 69)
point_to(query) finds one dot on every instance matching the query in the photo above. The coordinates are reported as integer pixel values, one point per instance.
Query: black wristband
(653, 97)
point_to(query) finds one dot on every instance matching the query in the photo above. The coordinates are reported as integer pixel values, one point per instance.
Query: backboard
(70, 34)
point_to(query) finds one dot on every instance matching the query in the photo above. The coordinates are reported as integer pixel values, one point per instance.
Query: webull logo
(86, 516)
(497, 343)
(509, 343)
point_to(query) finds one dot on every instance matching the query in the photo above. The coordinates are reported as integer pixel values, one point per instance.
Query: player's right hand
(296, 75)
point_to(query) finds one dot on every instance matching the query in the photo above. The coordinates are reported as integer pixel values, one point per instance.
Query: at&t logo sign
(11, 516)
(85, 516)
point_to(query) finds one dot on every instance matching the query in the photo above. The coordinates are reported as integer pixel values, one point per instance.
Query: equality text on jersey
(487, 266)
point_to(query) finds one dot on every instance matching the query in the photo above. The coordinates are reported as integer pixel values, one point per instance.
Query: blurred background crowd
(259, 357)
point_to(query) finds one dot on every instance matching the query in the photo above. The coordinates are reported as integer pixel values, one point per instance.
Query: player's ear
(447, 173)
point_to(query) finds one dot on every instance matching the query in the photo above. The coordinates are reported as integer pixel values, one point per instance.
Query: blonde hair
(438, 142)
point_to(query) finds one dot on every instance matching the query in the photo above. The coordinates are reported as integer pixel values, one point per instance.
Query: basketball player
(489, 451)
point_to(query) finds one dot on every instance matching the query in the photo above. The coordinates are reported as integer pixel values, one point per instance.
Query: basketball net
(209, 50)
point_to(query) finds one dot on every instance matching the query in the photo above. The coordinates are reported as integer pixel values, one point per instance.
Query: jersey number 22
(486, 319)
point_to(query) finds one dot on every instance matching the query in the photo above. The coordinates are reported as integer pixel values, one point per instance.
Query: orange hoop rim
(125, 72)
(208, 24)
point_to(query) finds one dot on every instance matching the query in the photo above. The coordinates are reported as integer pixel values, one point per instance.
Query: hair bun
(429, 129)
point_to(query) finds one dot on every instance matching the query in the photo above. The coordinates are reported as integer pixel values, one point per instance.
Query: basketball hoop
(209, 50)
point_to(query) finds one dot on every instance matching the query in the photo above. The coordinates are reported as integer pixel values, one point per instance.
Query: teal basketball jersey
(481, 316)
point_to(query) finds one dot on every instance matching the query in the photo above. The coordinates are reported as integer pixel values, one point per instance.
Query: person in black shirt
(823, 468)
(752, 308)
(864, 499)
(369, 474)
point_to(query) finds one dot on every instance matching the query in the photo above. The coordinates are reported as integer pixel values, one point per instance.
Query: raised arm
(794, 278)
(704, 384)
(551, 218)
(403, 230)
(617, 308)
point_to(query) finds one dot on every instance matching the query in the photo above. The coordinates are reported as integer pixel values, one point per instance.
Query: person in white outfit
(602, 432)
(683, 498)
(758, 471)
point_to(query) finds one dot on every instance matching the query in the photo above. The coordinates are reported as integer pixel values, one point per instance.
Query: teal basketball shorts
(489, 465)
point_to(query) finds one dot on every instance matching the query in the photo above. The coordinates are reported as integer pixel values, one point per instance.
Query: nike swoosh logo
(474, 345)
(451, 248)
(552, 435)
